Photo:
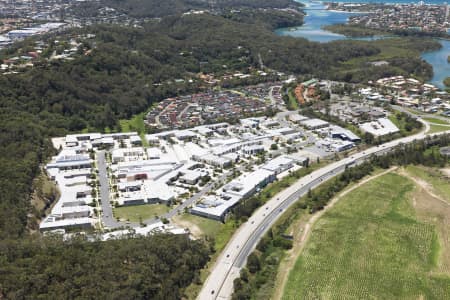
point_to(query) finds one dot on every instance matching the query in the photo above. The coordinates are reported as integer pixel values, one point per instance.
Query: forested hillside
(157, 267)
(158, 8)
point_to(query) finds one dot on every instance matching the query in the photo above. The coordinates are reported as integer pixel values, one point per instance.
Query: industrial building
(379, 127)
(71, 171)
(313, 124)
(218, 206)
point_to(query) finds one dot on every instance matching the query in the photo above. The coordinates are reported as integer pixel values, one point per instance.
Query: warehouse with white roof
(379, 127)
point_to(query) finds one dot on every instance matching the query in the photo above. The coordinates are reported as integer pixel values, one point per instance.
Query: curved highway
(219, 284)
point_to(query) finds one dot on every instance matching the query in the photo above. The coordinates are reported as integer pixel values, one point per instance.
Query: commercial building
(214, 160)
(313, 124)
(71, 171)
(279, 164)
(192, 177)
(338, 132)
(53, 223)
(127, 154)
(69, 159)
(379, 127)
(135, 140)
(296, 118)
(145, 192)
(217, 206)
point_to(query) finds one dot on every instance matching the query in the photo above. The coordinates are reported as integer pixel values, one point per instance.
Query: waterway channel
(317, 17)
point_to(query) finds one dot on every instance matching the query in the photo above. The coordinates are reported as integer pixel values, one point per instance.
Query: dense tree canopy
(157, 8)
(156, 267)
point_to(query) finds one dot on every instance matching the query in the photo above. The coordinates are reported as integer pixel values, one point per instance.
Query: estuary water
(317, 17)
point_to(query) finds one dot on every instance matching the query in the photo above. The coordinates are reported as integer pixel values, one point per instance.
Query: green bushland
(155, 267)
(353, 31)
(136, 123)
(271, 19)
(370, 245)
(402, 54)
(212, 230)
(157, 9)
(291, 100)
(407, 124)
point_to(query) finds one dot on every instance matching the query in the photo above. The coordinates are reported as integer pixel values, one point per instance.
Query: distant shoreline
(374, 2)
(348, 12)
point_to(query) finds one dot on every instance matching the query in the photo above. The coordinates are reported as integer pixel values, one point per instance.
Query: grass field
(136, 123)
(136, 213)
(436, 121)
(292, 103)
(438, 128)
(372, 244)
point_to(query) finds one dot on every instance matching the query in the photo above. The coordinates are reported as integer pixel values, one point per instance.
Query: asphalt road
(420, 114)
(107, 214)
(219, 285)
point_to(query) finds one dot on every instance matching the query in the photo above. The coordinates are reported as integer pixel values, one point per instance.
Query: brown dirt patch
(195, 231)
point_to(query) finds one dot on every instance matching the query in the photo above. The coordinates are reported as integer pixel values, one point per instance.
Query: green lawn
(136, 213)
(370, 245)
(436, 121)
(136, 123)
(438, 128)
(292, 103)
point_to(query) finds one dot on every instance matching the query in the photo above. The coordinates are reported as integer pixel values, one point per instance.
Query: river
(317, 17)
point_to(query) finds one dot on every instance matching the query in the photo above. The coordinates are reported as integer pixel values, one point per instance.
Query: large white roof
(379, 127)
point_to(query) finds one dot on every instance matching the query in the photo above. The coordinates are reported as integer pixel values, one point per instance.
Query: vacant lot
(385, 240)
(438, 128)
(435, 181)
(137, 213)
